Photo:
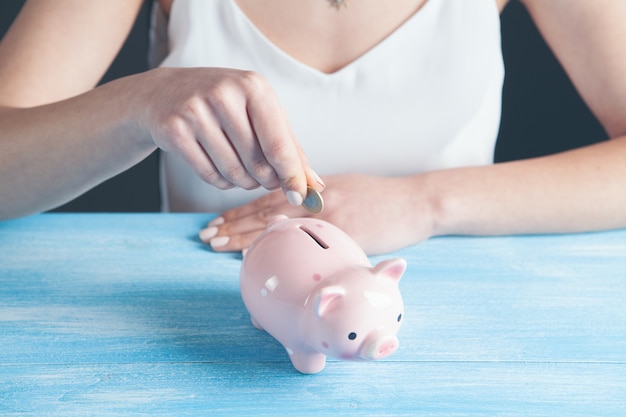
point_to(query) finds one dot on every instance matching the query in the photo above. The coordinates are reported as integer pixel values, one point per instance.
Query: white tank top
(427, 97)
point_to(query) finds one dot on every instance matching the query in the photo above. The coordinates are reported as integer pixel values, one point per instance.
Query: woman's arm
(587, 37)
(60, 136)
(578, 190)
(572, 191)
(50, 153)
(55, 50)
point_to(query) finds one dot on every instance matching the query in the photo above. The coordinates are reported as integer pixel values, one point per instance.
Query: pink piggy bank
(311, 287)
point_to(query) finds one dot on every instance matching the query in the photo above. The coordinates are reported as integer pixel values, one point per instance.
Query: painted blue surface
(130, 314)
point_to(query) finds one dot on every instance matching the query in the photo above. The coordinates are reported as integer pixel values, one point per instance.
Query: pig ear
(328, 299)
(391, 268)
(277, 219)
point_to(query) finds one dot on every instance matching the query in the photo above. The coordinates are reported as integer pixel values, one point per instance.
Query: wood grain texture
(130, 314)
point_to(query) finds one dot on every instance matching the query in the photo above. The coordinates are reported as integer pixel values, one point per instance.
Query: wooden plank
(268, 389)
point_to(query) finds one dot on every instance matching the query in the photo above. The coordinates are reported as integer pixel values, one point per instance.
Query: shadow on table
(205, 326)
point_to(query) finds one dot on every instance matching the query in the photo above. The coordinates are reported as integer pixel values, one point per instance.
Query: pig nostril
(380, 348)
(386, 349)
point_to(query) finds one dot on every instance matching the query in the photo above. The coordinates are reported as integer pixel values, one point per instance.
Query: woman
(395, 104)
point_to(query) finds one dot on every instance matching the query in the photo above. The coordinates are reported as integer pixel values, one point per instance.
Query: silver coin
(313, 203)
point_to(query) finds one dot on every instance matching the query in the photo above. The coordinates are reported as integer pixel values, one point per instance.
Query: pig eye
(399, 317)
(352, 336)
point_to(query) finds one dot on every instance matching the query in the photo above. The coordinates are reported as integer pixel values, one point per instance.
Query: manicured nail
(216, 242)
(208, 233)
(294, 198)
(216, 221)
(318, 179)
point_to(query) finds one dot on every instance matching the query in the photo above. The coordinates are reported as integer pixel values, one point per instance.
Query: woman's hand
(380, 214)
(229, 127)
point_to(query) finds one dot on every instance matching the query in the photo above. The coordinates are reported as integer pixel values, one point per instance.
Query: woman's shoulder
(48, 53)
(166, 6)
(502, 4)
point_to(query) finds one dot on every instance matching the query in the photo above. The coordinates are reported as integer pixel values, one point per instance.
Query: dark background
(542, 113)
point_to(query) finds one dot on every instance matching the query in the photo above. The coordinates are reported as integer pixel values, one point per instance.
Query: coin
(313, 203)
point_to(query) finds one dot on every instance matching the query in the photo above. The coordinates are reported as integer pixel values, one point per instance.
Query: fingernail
(318, 179)
(208, 233)
(216, 242)
(217, 221)
(294, 198)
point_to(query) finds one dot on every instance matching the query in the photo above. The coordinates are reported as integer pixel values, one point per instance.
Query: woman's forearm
(52, 153)
(226, 124)
(579, 190)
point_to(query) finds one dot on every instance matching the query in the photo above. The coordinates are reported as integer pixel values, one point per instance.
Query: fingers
(194, 154)
(235, 127)
(220, 151)
(229, 242)
(277, 140)
(312, 179)
(194, 133)
(236, 229)
(229, 126)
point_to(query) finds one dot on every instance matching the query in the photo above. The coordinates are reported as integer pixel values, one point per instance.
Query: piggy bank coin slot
(313, 236)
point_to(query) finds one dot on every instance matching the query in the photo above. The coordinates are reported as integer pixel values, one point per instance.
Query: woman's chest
(320, 35)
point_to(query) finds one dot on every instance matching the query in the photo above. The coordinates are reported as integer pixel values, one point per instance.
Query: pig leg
(255, 323)
(307, 362)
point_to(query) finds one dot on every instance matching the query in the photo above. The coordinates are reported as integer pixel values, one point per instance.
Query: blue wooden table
(130, 314)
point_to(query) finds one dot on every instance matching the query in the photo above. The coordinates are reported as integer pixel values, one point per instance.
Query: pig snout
(378, 346)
